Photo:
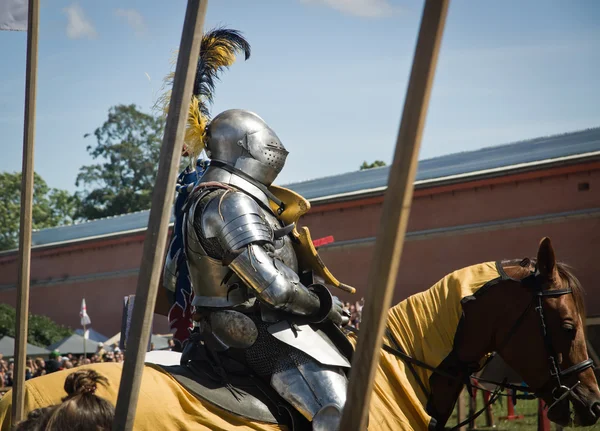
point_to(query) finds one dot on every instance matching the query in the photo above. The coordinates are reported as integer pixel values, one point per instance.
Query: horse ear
(546, 259)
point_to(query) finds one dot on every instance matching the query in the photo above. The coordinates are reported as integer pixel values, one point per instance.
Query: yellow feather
(216, 57)
(195, 132)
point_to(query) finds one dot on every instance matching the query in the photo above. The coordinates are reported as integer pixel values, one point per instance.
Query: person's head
(36, 420)
(40, 363)
(54, 354)
(82, 409)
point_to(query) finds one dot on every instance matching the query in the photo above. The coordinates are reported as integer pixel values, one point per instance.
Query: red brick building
(469, 207)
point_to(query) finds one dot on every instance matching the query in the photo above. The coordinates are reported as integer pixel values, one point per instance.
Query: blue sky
(328, 75)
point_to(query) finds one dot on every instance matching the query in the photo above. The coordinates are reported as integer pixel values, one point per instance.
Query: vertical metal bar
(160, 212)
(394, 218)
(27, 174)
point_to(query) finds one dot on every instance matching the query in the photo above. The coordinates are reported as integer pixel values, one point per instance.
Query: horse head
(535, 320)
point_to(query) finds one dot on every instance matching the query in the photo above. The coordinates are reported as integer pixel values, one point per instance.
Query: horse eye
(568, 328)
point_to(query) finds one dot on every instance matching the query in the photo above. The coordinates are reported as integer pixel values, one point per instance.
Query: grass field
(527, 408)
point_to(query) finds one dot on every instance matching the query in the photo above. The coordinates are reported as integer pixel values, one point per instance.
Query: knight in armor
(261, 298)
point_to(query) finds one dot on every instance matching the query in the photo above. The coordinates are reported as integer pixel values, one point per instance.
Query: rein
(559, 391)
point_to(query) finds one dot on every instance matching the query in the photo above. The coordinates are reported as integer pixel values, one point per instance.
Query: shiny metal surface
(207, 274)
(274, 282)
(216, 174)
(313, 343)
(328, 418)
(312, 387)
(170, 271)
(236, 220)
(233, 328)
(242, 139)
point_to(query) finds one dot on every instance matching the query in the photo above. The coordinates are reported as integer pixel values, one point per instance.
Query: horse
(530, 312)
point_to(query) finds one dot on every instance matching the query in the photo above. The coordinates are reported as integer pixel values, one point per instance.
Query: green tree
(375, 164)
(51, 207)
(127, 149)
(42, 332)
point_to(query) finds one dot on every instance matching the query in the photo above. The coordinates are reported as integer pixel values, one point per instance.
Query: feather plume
(218, 51)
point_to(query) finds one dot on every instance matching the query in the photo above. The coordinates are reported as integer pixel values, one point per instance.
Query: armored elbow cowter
(273, 282)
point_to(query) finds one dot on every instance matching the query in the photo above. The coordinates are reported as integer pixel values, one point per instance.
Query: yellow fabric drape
(424, 326)
(163, 404)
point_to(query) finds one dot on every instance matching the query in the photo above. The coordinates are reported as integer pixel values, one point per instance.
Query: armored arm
(274, 283)
(236, 221)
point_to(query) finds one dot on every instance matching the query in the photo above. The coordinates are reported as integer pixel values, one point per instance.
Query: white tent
(74, 344)
(7, 348)
(161, 342)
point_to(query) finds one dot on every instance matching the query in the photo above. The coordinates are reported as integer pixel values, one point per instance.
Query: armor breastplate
(214, 284)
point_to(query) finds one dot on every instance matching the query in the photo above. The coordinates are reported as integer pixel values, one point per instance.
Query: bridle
(559, 391)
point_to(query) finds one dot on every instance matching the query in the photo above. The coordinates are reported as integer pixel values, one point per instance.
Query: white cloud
(361, 8)
(134, 19)
(78, 26)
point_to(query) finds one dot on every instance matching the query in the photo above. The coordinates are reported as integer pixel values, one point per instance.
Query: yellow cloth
(424, 326)
(397, 402)
(163, 404)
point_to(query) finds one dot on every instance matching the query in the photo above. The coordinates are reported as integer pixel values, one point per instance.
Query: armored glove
(331, 308)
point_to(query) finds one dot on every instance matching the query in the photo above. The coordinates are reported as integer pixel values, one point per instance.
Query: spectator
(3, 371)
(81, 409)
(34, 420)
(53, 365)
(40, 366)
(100, 351)
(10, 372)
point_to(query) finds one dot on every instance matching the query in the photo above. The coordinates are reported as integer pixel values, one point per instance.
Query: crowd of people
(56, 362)
(39, 367)
(355, 311)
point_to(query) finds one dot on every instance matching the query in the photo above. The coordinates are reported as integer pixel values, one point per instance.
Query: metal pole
(394, 218)
(160, 212)
(18, 402)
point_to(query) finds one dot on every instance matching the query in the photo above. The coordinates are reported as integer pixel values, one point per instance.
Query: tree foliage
(375, 164)
(51, 207)
(43, 331)
(127, 149)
